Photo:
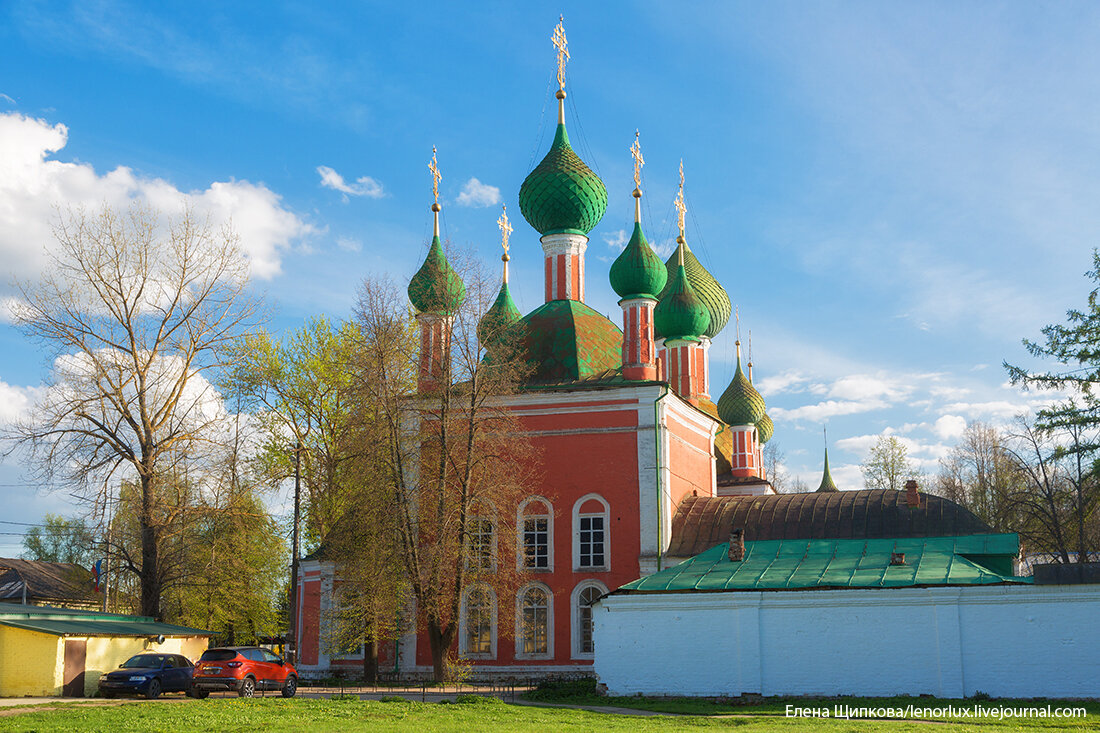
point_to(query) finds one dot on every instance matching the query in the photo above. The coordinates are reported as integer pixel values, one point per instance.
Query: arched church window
(536, 527)
(534, 621)
(477, 634)
(481, 546)
(584, 595)
(591, 534)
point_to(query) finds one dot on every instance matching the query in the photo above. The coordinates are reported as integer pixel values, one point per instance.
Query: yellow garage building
(47, 651)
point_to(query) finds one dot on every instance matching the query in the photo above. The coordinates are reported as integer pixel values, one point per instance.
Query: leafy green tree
(887, 465)
(61, 540)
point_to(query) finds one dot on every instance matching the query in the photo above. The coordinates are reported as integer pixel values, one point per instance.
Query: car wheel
(153, 690)
(108, 695)
(290, 686)
(247, 688)
(198, 694)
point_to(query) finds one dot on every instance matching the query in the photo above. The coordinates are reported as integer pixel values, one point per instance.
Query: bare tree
(136, 311)
(978, 474)
(887, 465)
(457, 458)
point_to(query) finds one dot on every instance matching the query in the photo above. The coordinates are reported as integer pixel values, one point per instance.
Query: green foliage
(887, 465)
(60, 540)
(582, 688)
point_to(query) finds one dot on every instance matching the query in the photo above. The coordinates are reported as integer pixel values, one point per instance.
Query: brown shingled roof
(55, 582)
(703, 522)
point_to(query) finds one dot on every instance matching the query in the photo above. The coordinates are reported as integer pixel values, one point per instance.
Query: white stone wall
(1007, 641)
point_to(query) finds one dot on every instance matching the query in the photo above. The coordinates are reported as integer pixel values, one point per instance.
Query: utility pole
(292, 634)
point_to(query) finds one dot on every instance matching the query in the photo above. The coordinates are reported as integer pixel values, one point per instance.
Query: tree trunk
(440, 639)
(150, 556)
(370, 662)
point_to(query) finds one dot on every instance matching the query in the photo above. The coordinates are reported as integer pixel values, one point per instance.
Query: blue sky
(893, 194)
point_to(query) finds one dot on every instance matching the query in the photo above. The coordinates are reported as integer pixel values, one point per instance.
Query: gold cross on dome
(505, 228)
(436, 177)
(562, 45)
(636, 153)
(681, 209)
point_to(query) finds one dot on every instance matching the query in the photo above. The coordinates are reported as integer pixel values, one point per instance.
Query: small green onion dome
(765, 428)
(681, 315)
(638, 272)
(502, 315)
(708, 289)
(827, 483)
(436, 287)
(562, 194)
(741, 404)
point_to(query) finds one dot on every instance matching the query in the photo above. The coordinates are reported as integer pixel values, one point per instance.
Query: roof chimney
(912, 496)
(737, 545)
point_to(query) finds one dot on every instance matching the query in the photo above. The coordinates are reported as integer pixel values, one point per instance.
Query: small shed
(41, 583)
(47, 651)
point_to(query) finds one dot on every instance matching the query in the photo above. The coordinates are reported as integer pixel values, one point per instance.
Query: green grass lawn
(348, 715)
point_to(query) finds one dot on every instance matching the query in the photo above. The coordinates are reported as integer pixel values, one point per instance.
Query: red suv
(244, 669)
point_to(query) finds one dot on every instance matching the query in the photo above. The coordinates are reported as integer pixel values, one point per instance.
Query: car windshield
(143, 661)
(218, 655)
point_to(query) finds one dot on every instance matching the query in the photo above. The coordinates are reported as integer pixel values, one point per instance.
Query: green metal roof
(827, 483)
(562, 194)
(566, 341)
(638, 272)
(74, 622)
(803, 564)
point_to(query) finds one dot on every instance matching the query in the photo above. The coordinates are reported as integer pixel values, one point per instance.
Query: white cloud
(617, 240)
(478, 194)
(867, 387)
(827, 409)
(998, 409)
(788, 381)
(363, 186)
(949, 427)
(7, 99)
(16, 402)
(347, 244)
(33, 187)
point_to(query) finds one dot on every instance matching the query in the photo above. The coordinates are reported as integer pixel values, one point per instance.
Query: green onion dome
(562, 194)
(436, 287)
(765, 428)
(740, 404)
(638, 272)
(502, 315)
(708, 290)
(681, 315)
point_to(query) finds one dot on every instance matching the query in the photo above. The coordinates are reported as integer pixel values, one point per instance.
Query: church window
(584, 595)
(478, 632)
(536, 525)
(480, 541)
(534, 622)
(590, 534)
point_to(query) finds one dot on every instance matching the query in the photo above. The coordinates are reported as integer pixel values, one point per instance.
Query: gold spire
(505, 232)
(636, 153)
(433, 166)
(737, 319)
(681, 209)
(562, 45)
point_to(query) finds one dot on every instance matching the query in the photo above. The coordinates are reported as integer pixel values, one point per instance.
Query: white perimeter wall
(1007, 641)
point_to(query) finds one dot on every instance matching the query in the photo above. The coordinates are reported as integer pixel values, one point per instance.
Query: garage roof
(72, 622)
(802, 564)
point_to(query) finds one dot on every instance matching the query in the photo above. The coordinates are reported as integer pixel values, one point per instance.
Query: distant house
(37, 583)
(47, 651)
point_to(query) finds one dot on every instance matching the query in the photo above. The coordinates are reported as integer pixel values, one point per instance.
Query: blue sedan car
(148, 675)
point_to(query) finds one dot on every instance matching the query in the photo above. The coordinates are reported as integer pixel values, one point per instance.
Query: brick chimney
(737, 545)
(912, 496)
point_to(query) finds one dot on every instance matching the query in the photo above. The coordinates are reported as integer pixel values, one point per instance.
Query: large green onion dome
(681, 315)
(436, 287)
(765, 428)
(494, 326)
(708, 290)
(638, 272)
(562, 194)
(740, 404)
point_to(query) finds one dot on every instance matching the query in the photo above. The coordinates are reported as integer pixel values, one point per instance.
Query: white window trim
(520, 514)
(606, 514)
(462, 649)
(484, 509)
(520, 654)
(575, 617)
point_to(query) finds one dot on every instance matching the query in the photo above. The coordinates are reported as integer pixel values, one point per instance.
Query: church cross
(505, 228)
(436, 177)
(562, 45)
(681, 209)
(636, 153)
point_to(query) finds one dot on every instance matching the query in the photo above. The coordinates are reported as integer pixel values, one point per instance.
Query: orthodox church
(641, 467)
